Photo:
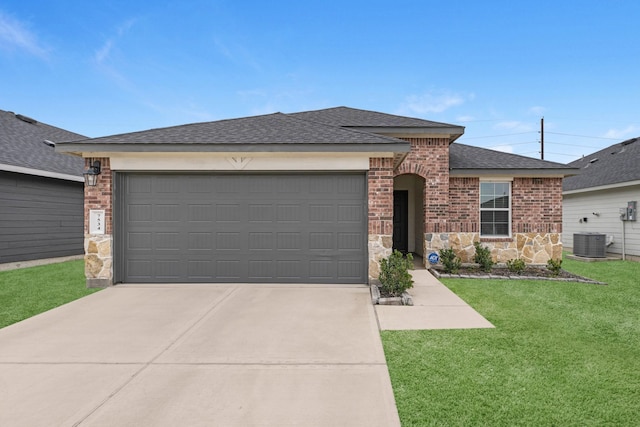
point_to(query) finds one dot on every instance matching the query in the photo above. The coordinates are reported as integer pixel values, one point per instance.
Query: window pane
(487, 202)
(501, 216)
(486, 229)
(502, 229)
(502, 202)
(486, 216)
(487, 188)
(502, 189)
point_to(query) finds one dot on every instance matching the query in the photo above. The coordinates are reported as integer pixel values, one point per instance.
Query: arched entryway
(408, 213)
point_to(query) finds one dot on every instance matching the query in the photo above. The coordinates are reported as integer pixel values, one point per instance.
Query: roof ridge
(343, 128)
(342, 107)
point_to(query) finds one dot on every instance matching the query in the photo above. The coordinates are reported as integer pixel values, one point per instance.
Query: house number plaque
(96, 221)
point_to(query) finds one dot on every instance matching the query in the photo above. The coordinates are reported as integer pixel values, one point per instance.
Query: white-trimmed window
(495, 209)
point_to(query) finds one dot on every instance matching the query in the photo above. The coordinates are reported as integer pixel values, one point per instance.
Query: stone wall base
(533, 248)
(379, 248)
(98, 264)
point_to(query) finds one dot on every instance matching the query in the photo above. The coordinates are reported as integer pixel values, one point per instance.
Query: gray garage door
(262, 228)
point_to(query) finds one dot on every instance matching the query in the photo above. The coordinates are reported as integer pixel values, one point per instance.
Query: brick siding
(380, 197)
(429, 158)
(536, 205)
(100, 196)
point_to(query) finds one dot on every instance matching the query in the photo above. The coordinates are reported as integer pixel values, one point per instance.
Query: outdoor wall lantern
(91, 174)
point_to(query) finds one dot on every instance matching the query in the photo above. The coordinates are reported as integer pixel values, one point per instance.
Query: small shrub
(483, 257)
(516, 266)
(450, 261)
(555, 266)
(394, 274)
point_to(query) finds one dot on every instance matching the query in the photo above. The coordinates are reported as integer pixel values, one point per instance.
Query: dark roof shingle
(21, 145)
(466, 157)
(353, 117)
(277, 128)
(615, 164)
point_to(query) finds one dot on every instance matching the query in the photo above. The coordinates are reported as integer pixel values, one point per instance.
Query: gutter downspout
(623, 242)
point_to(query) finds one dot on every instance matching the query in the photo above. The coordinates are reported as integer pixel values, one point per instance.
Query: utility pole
(542, 138)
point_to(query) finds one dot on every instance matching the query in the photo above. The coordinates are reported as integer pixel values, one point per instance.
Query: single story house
(599, 198)
(41, 192)
(310, 197)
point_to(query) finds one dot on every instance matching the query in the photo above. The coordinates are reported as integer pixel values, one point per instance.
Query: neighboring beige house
(311, 197)
(592, 201)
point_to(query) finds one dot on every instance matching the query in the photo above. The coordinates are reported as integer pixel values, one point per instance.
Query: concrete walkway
(435, 307)
(191, 355)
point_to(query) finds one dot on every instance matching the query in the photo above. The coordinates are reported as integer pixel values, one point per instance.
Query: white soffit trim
(237, 162)
(496, 178)
(38, 172)
(603, 187)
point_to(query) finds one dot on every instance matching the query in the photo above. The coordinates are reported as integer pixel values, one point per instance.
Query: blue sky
(495, 67)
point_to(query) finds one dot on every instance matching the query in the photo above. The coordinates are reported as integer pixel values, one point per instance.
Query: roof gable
(270, 132)
(22, 147)
(475, 160)
(615, 164)
(276, 128)
(353, 117)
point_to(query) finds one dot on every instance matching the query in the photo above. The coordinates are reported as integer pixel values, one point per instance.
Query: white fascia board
(38, 172)
(603, 187)
(242, 161)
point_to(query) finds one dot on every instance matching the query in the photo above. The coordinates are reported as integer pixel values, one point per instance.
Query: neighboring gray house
(592, 201)
(41, 192)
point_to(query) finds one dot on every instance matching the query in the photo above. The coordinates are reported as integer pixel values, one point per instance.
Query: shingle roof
(615, 164)
(353, 117)
(277, 128)
(466, 157)
(21, 145)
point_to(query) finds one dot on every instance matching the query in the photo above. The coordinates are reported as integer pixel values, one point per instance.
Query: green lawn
(562, 354)
(29, 291)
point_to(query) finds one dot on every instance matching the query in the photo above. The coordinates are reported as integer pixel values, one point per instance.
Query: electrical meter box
(632, 211)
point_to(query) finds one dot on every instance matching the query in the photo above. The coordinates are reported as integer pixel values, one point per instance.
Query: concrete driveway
(199, 355)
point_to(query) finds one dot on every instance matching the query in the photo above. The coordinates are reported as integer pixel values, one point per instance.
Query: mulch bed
(529, 273)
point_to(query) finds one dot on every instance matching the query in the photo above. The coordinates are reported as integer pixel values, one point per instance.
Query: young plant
(483, 257)
(394, 274)
(555, 266)
(516, 266)
(450, 261)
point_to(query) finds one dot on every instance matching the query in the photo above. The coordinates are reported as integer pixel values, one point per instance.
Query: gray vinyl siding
(607, 204)
(241, 228)
(39, 217)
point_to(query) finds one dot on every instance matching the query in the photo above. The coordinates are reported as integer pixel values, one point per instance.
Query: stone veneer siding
(536, 222)
(380, 212)
(98, 259)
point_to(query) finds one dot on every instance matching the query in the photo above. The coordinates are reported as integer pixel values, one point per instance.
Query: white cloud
(103, 53)
(431, 102)
(514, 126)
(631, 130)
(537, 110)
(503, 148)
(15, 35)
(464, 119)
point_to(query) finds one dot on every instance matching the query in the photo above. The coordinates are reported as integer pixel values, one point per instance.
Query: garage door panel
(218, 228)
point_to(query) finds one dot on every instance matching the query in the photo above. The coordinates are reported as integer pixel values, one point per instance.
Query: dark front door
(401, 220)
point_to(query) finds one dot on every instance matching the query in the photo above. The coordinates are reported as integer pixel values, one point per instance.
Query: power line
(583, 136)
(495, 136)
